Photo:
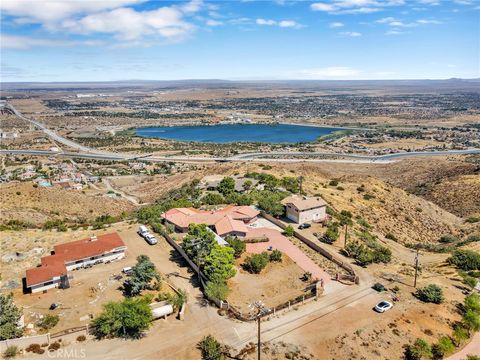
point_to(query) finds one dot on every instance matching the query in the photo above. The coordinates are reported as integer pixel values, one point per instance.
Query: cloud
(334, 25)
(354, 6)
(49, 12)
(129, 24)
(329, 72)
(265, 22)
(394, 32)
(211, 22)
(425, 21)
(107, 16)
(351, 33)
(25, 42)
(281, 23)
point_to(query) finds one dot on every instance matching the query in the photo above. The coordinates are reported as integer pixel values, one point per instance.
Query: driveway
(277, 241)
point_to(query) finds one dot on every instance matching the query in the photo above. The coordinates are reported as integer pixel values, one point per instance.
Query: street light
(261, 310)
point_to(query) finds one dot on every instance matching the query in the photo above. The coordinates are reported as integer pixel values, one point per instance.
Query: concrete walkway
(280, 242)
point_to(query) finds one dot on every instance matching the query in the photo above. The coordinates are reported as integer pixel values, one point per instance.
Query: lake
(280, 133)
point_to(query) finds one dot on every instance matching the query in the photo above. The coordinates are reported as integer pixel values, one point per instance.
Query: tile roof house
(301, 209)
(230, 220)
(53, 271)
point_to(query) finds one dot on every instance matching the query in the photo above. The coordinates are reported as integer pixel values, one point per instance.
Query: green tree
(431, 294)
(10, 315)
(237, 245)
(210, 348)
(270, 202)
(213, 199)
(256, 263)
(141, 277)
(199, 240)
(48, 321)
(219, 263)
(217, 289)
(226, 186)
(420, 349)
(289, 231)
(332, 233)
(128, 318)
(247, 185)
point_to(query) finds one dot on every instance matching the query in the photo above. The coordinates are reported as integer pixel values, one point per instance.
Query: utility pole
(261, 310)
(346, 232)
(416, 270)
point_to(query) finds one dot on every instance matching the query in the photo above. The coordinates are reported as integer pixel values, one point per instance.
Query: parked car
(304, 226)
(53, 306)
(142, 230)
(383, 306)
(150, 239)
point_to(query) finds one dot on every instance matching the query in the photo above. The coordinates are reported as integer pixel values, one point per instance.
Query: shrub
(472, 302)
(289, 230)
(213, 199)
(256, 263)
(473, 219)
(217, 289)
(35, 348)
(237, 245)
(210, 348)
(10, 352)
(81, 338)
(48, 321)
(447, 239)
(431, 294)
(471, 320)
(333, 183)
(460, 335)
(443, 347)
(419, 349)
(54, 346)
(332, 234)
(368, 196)
(391, 237)
(473, 357)
(465, 259)
(276, 256)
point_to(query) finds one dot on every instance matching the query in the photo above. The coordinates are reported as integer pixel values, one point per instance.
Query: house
(229, 221)
(301, 209)
(53, 271)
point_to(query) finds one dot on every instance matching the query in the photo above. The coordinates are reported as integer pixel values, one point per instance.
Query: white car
(383, 306)
(150, 239)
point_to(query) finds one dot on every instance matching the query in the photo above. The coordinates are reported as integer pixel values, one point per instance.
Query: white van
(142, 230)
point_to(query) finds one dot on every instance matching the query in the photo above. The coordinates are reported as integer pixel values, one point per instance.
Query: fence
(310, 291)
(23, 342)
(352, 276)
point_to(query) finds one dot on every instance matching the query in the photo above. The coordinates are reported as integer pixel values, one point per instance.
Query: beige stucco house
(302, 209)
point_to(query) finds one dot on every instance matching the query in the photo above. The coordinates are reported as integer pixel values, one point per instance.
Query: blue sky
(73, 40)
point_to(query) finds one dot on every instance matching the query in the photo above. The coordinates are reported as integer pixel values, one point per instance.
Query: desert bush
(289, 230)
(276, 256)
(210, 348)
(431, 294)
(460, 335)
(471, 320)
(333, 182)
(256, 263)
(465, 259)
(48, 321)
(443, 347)
(418, 350)
(10, 352)
(54, 346)
(81, 338)
(447, 239)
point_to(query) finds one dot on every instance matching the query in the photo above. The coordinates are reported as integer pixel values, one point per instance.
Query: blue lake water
(280, 133)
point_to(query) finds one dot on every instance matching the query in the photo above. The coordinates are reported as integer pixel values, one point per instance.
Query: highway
(95, 154)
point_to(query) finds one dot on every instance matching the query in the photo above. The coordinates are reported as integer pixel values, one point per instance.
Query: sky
(104, 40)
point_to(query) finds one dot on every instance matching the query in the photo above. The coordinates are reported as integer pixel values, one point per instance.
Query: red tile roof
(54, 265)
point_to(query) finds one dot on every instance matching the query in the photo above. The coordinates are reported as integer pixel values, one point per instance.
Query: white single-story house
(302, 209)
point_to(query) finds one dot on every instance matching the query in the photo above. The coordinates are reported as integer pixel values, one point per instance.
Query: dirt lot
(21, 201)
(276, 284)
(90, 288)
